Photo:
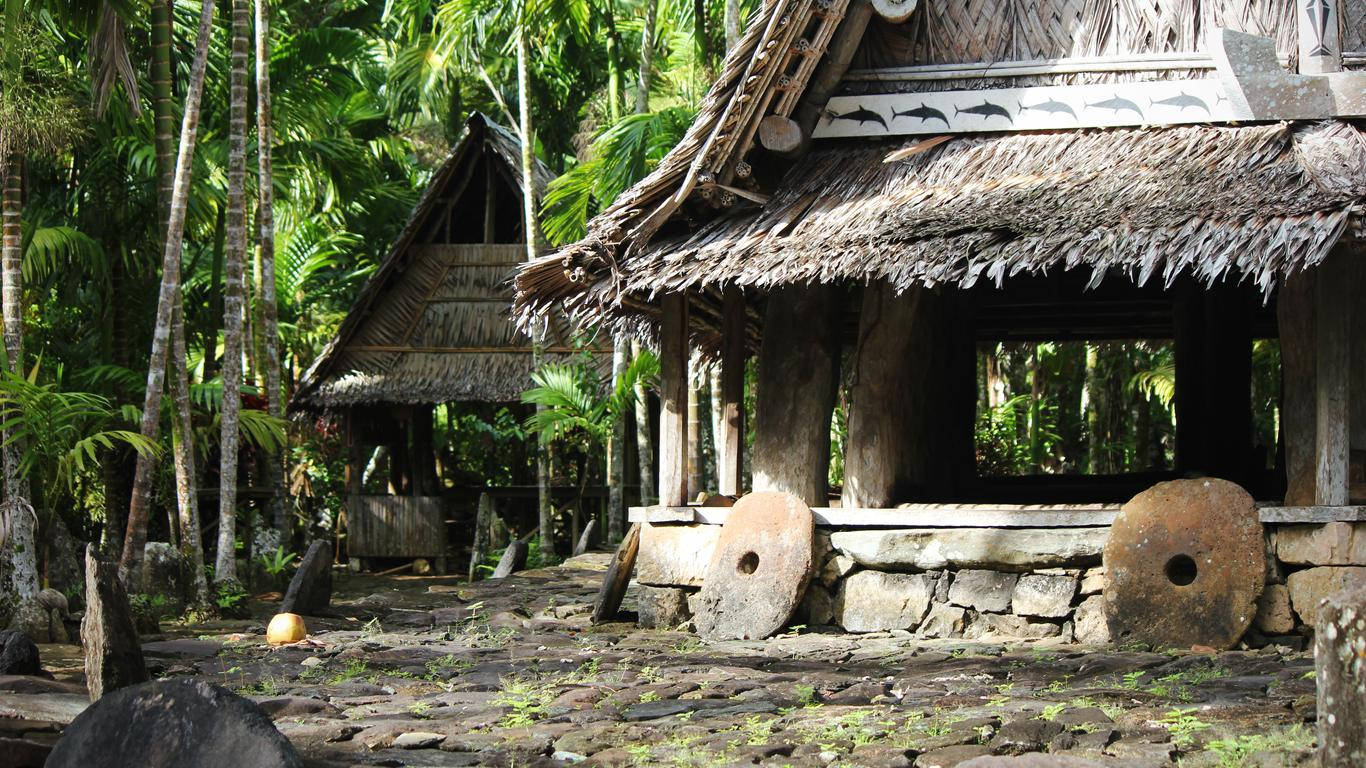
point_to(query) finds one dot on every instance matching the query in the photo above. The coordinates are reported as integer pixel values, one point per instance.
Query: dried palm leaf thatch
(1253, 203)
(432, 323)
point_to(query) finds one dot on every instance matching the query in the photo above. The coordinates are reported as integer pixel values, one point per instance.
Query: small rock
(1273, 611)
(18, 654)
(948, 757)
(653, 710)
(1337, 543)
(943, 620)
(983, 590)
(1076, 716)
(662, 607)
(874, 601)
(1039, 595)
(818, 605)
(837, 568)
(1092, 582)
(1311, 585)
(1020, 736)
(418, 740)
(1032, 760)
(987, 626)
(1088, 622)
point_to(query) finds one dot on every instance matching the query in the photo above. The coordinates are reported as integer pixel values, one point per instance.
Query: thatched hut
(892, 182)
(431, 326)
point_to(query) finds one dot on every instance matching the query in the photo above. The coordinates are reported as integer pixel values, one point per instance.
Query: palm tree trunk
(269, 305)
(616, 453)
(186, 479)
(546, 511)
(225, 569)
(162, 108)
(732, 23)
(135, 538)
(22, 523)
(645, 453)
(186, 517)
(647, 51)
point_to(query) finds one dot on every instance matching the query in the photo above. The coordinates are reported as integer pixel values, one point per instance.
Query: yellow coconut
(286, 628)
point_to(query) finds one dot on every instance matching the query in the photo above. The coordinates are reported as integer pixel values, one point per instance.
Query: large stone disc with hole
(759, 570)
(1184, 565)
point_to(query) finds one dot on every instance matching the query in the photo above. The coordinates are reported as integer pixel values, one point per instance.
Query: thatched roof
(432, 323)
(1252, 201)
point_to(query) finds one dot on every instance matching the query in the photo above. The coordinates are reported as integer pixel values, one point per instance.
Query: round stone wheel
(1184, 565)
(759, 570)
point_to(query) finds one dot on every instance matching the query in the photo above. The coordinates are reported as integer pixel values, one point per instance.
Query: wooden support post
(734, 351)
(893, 403)
(1295, 323)
(1340, 679)
(673, 399)
(1332, 333)
(798, 375)
(694, 438)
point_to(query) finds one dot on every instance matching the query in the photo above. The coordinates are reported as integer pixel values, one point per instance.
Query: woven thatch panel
(432, 324)
(1258, 202)
(1354, 26)
(1018, 30)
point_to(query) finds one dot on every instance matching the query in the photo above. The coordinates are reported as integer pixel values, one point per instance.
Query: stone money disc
(1184, 565)
(760, 569)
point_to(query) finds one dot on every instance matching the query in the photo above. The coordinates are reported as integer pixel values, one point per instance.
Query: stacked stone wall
(994, 583)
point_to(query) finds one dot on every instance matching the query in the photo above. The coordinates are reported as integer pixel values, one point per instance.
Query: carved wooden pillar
(1295, 321)
(731, 439)
(891, 401)
(798, 376)
(1332, 333)
(673, 400)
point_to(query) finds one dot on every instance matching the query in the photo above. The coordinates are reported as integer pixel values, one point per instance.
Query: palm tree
(135, 538)
(269, 306)
(225, 569)
(572, 411)
(36, 115)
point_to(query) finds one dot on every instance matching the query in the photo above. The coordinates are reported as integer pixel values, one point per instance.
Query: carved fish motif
(986, 109)
(1052, 107)
(1318, 12)
(862, 115)
(1181, 101)
(923, 112)
(1116, 104)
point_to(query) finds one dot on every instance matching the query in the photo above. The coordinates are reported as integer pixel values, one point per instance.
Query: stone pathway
(434, 672)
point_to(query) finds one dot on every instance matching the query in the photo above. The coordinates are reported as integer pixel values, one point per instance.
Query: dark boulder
(173, 723)
(310, 591)
(18, 654)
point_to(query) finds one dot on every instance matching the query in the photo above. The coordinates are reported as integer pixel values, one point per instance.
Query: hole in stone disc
(1180, 570)
(749, 563)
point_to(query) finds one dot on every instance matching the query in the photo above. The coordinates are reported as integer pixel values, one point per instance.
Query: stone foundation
(994, 583)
